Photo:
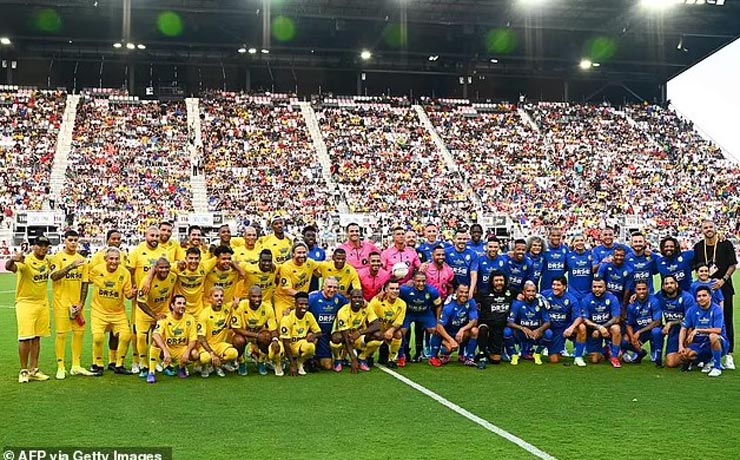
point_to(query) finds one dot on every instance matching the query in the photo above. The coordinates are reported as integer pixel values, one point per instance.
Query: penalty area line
(470, 416)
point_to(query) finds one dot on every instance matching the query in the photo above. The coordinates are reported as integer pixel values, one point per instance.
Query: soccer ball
(400, 270)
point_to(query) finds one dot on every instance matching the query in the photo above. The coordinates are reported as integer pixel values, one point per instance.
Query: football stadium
(369, 229)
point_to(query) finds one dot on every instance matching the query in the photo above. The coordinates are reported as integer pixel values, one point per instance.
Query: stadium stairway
(64, 145)
(197, 181)
(527, 119)
(449, 160)
(309, 116)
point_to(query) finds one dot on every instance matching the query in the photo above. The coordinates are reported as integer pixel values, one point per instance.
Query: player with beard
(601, 312)
(492, 319)
(294, 276)
(174, 249)
(619, 277)
(477, 244)
(432, 240)
(604, 251)
(482, 267)
(565, 321)
(278, 242)
(460, 258)
(703, 337)
(358, 251)
(674, 303)
(580, 268)
(643, 261)
(674, 262)
(373, 277)
(516, 266)
(528, 326)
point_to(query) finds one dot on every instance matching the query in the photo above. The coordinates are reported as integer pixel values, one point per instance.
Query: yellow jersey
(245, 256)
(142, 259)
(266, 281)
(174, 250)
(254, 320)
(346, 276)
(67, 289)
(99, 258)
(281, 248)
(178, 333)
(389, 314)
(110, 289)
(294, 329)
(349, 320)
(190, 284)
(291, 276)
(214, 325)
(160, 292)
(32, 277)
(226, 279)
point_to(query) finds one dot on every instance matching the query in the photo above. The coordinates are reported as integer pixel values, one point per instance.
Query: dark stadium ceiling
(501, 37)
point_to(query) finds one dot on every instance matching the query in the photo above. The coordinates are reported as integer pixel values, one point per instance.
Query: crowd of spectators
(387, 164)
(29, 126)
(129, 165)
(259, 160)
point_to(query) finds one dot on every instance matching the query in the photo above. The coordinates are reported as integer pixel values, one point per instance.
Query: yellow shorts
(34, 320)
(63, 323)
(303, 348)
(220, 348)
(144, 322)
(177, 353)
(100, 324)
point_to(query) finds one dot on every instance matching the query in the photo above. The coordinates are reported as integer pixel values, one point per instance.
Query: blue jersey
(420, 301)
(479, 249)
(537, 267)
(484, 266)
(618, 279)
(711, 318)
(460, 263)
(642, 313)
(517, 272)
(645, 268)
(529, 314)
(679, 266)
(455, 316)
(554, 261)
(601, 252)
(717, 296)
(675, 308)
(426, 249)
(325, 310)
(600, 310)
(563, 310)
(580, 272)
(317, 254)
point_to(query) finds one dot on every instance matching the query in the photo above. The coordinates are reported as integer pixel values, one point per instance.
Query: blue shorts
(323, 349)
(425, 318)
(558, 341)
(703, 349)
(673, 340)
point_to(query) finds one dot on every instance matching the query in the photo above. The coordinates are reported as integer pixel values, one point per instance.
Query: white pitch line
(470, 416)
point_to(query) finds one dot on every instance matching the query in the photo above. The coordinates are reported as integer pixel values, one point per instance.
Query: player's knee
(125, 336)
(230, 354)
(239, 341)
(376, 336)
(548, 335)
(555, 358)
(615, 330)
(474, 333)
(308, 350)
(508, 334)
(713, 338)
(194, 355)
(336, 338)
(98, 338)
(398, 335)
(595, 358)
(657, 334)
(673, 360)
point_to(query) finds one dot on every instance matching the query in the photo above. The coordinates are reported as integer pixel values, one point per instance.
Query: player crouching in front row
(299, 333)
(253, 323)
(357, 328)
(174, 340)
(703, 337)
(456, 327)
(529, 326)
(213, 332)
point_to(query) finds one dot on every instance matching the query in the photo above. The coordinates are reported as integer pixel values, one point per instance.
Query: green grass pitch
(571, 413)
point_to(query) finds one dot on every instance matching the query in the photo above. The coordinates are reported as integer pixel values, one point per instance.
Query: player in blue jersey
(619, 277)
(643, 261)
(674, 303)
(579, 267)
(702, 271)
(674, 262)
(324, 306)
(554, 259)
(477, 243)
(605, 251)
(644, 321)
(528, 327)
(315, 253)
(483, 266)
(565, 321)
(422, 302)
(703, 337)
(432, 240)
(460, 258)
(455, 329)
(535, 248)
(517, 267)
(601, 312)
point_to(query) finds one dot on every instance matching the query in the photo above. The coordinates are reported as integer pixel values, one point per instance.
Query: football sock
(77, 339)
(60, 346)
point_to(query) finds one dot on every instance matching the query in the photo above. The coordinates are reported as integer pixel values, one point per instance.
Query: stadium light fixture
(117, 45)
(141, 46)
(494, 61)
(585, 64)
(366, 55)
(595, 64)
(252, 50)
(130, 46)
(241, 50)
(5, 41)
(265, 51)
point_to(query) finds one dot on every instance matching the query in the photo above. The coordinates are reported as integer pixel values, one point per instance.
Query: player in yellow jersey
(141, 260)
(345, 273)
(174, 249)
(111, 286)
(225, 273)
(195, 240)
(152, 307)
(246, 255)
(299, 333)
(31, 306)
(263, 275)
(213, 332)
(191, 277)
(225, 239)
(66, 276)
(293, 276)
(278, 242)
(174, 340)
(357, 329)
(253, 323)
(391, 311)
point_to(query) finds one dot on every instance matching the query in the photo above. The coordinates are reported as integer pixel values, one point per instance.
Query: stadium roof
(504, 38)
